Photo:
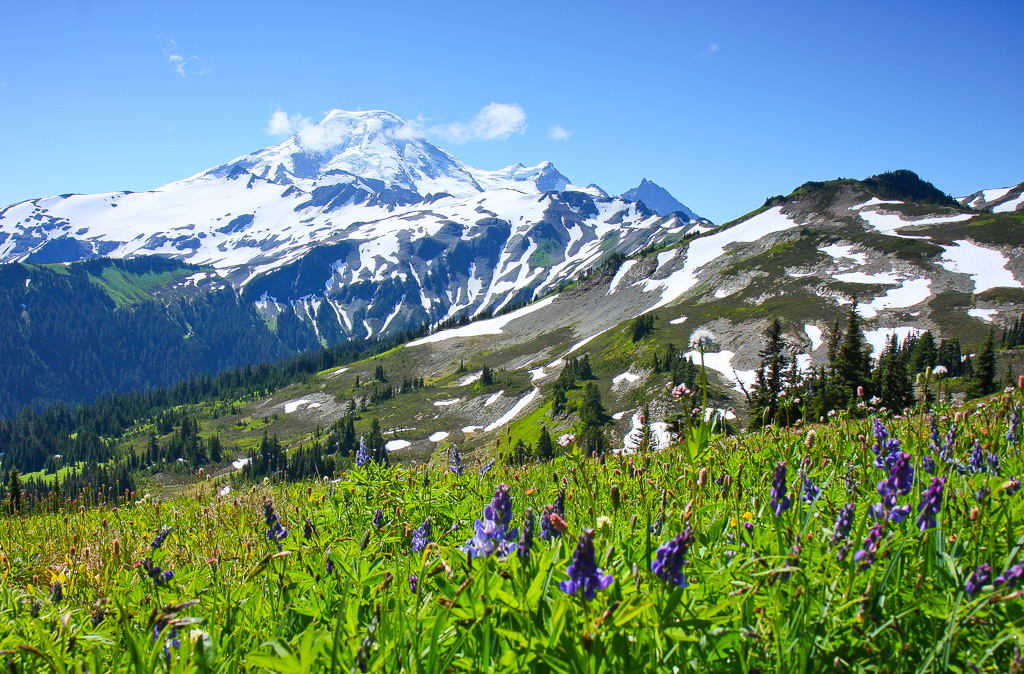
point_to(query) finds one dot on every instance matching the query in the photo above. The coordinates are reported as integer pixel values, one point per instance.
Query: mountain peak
(658, 199)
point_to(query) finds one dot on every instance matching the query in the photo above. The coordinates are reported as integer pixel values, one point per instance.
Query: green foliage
(787, 594)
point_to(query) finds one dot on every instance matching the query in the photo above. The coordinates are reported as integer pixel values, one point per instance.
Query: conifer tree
(14, 492)
(545, 448)
(853, 362)
(984, 380)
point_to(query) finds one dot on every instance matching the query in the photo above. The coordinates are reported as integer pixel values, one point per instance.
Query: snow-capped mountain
(358, 224)
(658, 199)
(1000, 200)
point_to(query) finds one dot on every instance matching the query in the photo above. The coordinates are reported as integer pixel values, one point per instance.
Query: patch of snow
(625, 376)
(491, 326)
(664, 258)
(494, 398)
(804, 361)
(660, 437)
(446, 403)
(983, 314)
(722, 362)
(1009, 206)
(438, 437)
(888, 223)
(623, 270)
(839, 251)
(514, 412)
(986, 267)
(226, 490)
(678, 321)
(873, 201)
(707, 249)
(392, 445)
(556, 363)
(238, 464)
(815, 333)
(293, 405)
(879, 339)
(618, 415)
(537, 373)
(911, 292)
(470, 429)
(470, 378)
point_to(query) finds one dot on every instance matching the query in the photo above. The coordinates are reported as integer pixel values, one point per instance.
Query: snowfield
(910, 293)
(490, 326)
(706, 249)
(986, 267)
(514, 412)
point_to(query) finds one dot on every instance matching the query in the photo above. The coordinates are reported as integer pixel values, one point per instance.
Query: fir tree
(984, 380)
(545, 448)
(853, 362)
(14, 492)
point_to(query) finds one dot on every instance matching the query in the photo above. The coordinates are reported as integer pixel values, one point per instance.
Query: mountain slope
(112, 326)
(357, 226)
(1001, 200)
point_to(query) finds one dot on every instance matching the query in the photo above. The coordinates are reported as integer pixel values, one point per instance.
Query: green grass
(779, 598)
(126, 288)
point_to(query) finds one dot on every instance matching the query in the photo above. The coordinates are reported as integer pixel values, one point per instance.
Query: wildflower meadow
(865, 544)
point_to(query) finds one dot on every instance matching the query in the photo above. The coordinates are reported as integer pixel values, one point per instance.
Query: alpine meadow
(361, 401)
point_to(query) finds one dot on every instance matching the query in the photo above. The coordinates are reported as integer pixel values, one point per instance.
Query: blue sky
(722, 103)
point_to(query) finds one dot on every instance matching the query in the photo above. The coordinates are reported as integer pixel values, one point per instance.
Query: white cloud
(281, 124)
(558, 132)
(497, 121)
(180, 64)
(709, 52)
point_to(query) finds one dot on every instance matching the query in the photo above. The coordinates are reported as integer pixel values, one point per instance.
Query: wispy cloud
(183, 65)
(558, 132)
(709, 52)
(496, 121)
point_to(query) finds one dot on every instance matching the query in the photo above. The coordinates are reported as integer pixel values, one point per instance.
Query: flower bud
(616, 498)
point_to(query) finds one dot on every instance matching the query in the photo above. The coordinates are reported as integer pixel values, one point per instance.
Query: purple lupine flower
(329, 564)
(547, 530)
(844, 523)
(560, 502)
(779, 501)
(993, 463)
(748, 528)
(493, 534)
(426, 477)
(160, 538)
(899, 482)
(982, 494)
(1013, 430)
(486, 467)
(946, 454)
(1011, 486)
(810, 491)
(928, 464)
(658, 524)
(976, 463)
(422, 536)
(276, 532)
(363, 456)
(414, 583)
(56, 592)
(455, 462)
(978, 579)
(1011, 576)
(155, 573)
(526, 541)
(931, 504)
(934, 436)
(671, 556)
(865, 557)
(378, 519)
(584, 576)
(885, 448)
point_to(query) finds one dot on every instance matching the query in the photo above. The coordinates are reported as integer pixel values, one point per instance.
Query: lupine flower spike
(931, 504)
(276, 532)
(780, 502)
(493, 534)
(584, 576)
(671, 556)
(422, 536)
